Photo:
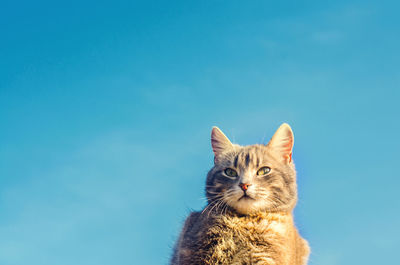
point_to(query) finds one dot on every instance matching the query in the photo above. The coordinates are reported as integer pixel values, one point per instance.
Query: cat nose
(244, 186)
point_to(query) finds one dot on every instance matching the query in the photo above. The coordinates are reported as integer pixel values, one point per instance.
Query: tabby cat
(251, 193)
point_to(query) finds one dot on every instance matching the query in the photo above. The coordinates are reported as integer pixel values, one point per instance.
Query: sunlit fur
(256, 229)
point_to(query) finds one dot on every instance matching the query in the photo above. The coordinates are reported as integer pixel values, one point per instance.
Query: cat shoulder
(191, 221)
(182, 248)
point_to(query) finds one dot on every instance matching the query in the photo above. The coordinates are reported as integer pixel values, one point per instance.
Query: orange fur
(262, 238)
(251, 225)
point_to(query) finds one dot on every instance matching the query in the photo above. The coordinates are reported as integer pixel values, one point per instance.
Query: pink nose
(244, 186)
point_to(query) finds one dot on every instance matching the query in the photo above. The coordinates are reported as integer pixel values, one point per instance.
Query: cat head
(254, 178)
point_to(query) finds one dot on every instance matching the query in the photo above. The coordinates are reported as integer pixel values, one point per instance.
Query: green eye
(263, 171)
(231, 172)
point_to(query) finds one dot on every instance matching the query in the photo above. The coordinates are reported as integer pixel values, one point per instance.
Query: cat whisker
(215, 201)
(213, 207)
(216, 185)
(213, 192)
(206, 208)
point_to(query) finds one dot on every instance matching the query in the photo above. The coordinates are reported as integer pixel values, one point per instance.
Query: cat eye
(231, 172)
(263, 171)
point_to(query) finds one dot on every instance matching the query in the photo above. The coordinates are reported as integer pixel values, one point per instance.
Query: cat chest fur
(258, 239)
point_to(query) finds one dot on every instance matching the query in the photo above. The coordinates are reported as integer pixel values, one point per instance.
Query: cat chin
(247, 206)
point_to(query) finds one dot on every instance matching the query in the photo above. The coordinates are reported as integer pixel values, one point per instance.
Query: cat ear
(219, 142)
(282, 142)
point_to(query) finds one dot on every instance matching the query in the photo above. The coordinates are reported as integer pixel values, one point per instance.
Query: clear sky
(106, 109)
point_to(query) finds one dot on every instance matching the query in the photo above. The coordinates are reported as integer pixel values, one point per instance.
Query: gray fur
(252, 225)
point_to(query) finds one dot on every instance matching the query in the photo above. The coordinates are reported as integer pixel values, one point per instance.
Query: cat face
(253, 178)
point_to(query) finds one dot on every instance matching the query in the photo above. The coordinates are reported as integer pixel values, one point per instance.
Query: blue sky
(106, 109)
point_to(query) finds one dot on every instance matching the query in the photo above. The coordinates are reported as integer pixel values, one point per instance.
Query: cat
(251, 193)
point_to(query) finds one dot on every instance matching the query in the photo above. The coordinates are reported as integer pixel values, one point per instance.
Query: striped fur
(253, 226)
